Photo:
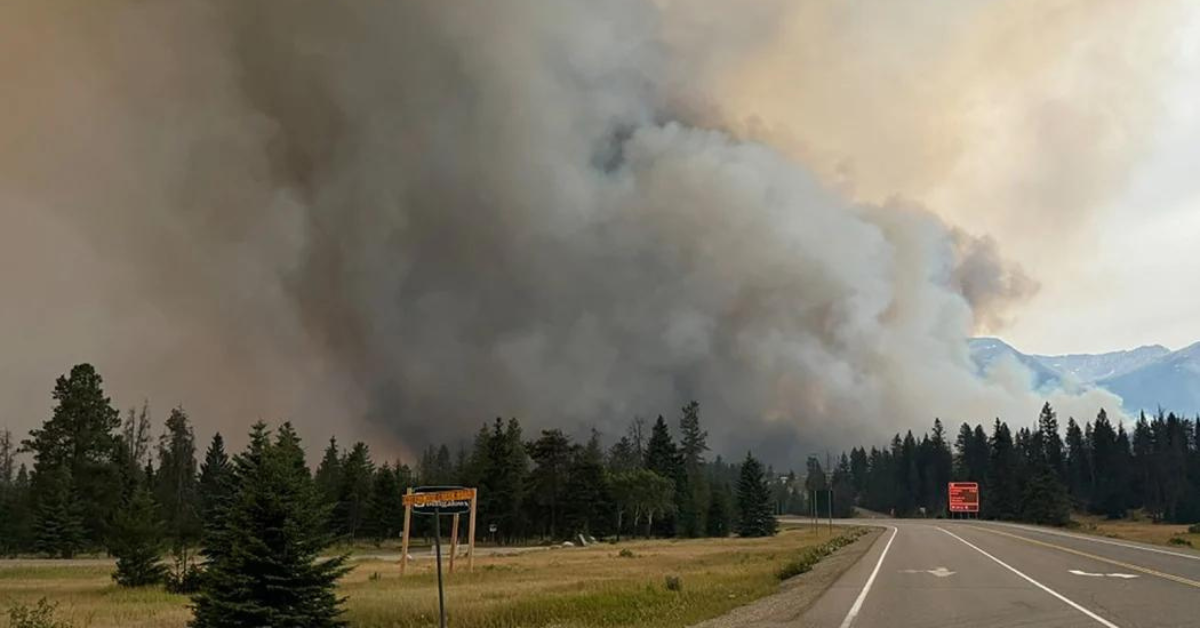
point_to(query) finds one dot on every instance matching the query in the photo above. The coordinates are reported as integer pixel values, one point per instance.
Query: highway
(933, 573)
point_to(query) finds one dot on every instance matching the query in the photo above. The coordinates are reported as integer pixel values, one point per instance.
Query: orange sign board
(964, 497)
(431, 500)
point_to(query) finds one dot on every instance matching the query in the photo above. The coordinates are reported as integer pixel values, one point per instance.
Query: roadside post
(437, 502)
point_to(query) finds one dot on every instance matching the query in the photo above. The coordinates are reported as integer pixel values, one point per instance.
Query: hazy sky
(395, 220)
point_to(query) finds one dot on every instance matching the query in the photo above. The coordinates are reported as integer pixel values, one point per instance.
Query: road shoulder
(796, 595)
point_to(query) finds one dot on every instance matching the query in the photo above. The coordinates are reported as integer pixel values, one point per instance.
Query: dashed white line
(1102, 621)
(862, 596)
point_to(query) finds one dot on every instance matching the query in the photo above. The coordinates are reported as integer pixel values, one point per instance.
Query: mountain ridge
(1146, 378)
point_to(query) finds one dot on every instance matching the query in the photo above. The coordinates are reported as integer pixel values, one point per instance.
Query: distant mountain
(1145, 378)
(1089, 368)
(986, 351)
(1171, 382)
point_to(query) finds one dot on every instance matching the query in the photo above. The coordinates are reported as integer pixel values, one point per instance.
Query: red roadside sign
(964, 497)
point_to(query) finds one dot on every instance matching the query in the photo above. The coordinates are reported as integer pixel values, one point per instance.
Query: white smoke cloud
(395, 220)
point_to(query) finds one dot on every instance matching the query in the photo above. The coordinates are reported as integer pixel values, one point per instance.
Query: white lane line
(862, 596)
(1084, 537)
(1062, 598)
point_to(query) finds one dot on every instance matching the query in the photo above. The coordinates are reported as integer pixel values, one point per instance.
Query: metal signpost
(964, 498)
(438, 501)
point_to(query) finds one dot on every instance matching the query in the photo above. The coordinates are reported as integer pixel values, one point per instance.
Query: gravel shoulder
(796, 594)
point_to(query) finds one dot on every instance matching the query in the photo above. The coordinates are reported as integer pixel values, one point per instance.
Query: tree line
(1036, 473)
(101, 482)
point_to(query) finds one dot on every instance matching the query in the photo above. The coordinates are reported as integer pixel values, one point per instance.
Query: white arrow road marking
(940, 572)
(1126, 576)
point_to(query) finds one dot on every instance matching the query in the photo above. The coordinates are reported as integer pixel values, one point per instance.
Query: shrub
(626, 553)
(813, 555)
(673, 583)
(1178, 540)
(186, 581)
(40, 616)
(1194, 528)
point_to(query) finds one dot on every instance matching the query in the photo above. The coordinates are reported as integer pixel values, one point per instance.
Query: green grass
(564, 588)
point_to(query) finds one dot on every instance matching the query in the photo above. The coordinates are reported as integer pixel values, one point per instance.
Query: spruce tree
(271, 573)
(551, 455)
(718, 522)
(588, 500)
(80, 438)
(355, 491)
(135, 540)
(385, 512)
(662, 457)
(329, 473)
(692, 486)
(756, 515)
(58, 517)
(1004, 486)
(176, 494)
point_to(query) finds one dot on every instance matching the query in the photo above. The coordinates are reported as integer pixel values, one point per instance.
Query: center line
(1101, 620)
(846, 623)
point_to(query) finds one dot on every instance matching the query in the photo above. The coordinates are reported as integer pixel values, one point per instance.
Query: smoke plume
(395, 220)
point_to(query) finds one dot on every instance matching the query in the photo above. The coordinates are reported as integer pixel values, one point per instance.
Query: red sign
(964, 497)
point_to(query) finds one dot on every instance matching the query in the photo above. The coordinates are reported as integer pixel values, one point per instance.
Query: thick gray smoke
(398, 219)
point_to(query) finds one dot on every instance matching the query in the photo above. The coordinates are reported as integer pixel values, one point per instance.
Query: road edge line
(1062, 598)
(1093, 539)
(862, 596)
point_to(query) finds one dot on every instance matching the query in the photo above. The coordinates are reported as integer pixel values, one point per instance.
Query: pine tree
(329, 473)
(79, 438)
(58, 523)
(719, 520)
(385, 512)
(355, 491)
(1078, 464)
(692, 485)
(1003, 482)
(587, 502)
(216, 485)
(176, 492)
(551, 454)
(272, 573)
(843, 489)
(135, 541)
(756, 516)
(662, 457)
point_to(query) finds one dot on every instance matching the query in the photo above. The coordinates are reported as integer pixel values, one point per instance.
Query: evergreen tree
(938, 470)
(135, 541)
(1052, 442)
(1109, 495)
(329, 473)
(551, 454)
(692, 485)
(355, 492)
(385, 513)
(78, 443)
(176, 490)
(623, 457)
(859, 467)
(843, 489)
(1078, 465)
(756, 516)
(215, 493)
(815, 485)
(588, 499)
(58, 518)
(504, 467)
(17, 519)
(271, 573)
(719, 520)
(1003, 481)
(662, 457)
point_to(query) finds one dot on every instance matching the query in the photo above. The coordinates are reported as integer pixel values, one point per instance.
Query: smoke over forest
(396, 220)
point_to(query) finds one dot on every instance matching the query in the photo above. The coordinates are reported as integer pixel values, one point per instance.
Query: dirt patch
(797, 594)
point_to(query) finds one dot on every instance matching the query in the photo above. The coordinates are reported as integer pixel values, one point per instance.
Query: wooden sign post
(440, 501)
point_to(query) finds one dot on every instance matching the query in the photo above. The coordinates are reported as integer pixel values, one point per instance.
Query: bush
(1194, 528)
(626, 553)
(40, 616)
(186, 581)
(1178, 540)
(673, 583)
(813, 555)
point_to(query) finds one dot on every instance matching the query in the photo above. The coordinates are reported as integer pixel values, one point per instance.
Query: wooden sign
(439, 500)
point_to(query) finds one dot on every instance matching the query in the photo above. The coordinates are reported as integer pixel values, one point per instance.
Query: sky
(393, 221)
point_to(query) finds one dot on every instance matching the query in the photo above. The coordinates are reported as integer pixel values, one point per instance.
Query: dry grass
(1136, 529)
(565, 588)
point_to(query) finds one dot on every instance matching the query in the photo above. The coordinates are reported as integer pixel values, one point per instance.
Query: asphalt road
(943, 574)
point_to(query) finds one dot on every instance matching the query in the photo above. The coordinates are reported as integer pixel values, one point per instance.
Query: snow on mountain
(1089, 368)
(1145, 378)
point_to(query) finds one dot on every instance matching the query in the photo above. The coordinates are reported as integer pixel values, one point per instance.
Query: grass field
(595, 586)
(1136, 529)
